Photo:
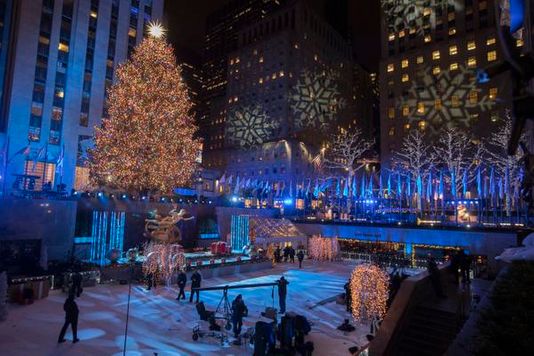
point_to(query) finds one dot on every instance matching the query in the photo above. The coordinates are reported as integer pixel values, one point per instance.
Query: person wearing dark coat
(465, 266)
(239, 310)
(77, 284)
(292, 254)
(286, 253)
(182, 280)
(348, 297)
(435, 278)
(282, 293)
(300, 256)
(277, 254)
(71, 318)
(196, 279)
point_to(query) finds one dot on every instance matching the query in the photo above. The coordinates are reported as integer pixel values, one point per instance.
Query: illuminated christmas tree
(147, 144)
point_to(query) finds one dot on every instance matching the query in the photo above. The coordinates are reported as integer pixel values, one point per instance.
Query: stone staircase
(429, 332)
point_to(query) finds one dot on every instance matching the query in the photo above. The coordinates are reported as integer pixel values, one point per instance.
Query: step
(433, 329)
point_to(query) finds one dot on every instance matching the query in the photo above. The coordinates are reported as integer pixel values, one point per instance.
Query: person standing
(277, 254)
(465, 268)
(348, 297)
(239, 310)
(77, 284)
(71, 318)
(282, 293)
(286, 253)
(292, 254)
(300, 256)
(435, 278)
(196, 280)
(182, 280)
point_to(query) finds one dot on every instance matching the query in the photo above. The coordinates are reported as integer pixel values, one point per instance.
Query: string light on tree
(146, 145)
(323, 248)
(369, 290)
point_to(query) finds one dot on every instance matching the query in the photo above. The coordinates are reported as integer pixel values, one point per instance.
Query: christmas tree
(147, 144)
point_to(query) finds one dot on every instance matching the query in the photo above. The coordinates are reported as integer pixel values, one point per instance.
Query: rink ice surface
(160, 324)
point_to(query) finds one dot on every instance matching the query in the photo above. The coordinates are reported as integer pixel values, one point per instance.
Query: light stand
(128, 307)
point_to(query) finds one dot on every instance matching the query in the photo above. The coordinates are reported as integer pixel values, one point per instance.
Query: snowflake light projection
(163, 259)
(414, 15)
(445, 100)
(250, 126)
(315, 99)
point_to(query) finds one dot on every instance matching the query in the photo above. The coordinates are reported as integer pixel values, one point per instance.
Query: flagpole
(44, 168)
(4, 173)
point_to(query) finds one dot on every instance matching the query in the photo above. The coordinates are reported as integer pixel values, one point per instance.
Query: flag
(308, 187)
(338, 188)
(399, 185)
(354, 187)
(25, 151)
(230, 180)
(236, 188)
(453, 184)
(222, 180)
(480, 192)
(346, 188)
(419, 185)
(40, 155)
(429, 187)
(464, 183)
(492, 182)
(501, 189)
(408, 186)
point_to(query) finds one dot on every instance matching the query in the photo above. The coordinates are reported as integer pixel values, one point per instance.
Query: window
(452, 31)
(391, 67)
(63, 47)
(405, 110)
(453, 66)
(455, 101)
(519, 42)
(405, 78)
(490, 41)
(428, 38)
(391, 37)
(422, 125)
(437, 104)
(421, 108)
(406, 127)
(471, 45)
(493, 93)
(473, 97)
(436, 55)
(420, 59)
(453, 50)
(471, 62)
(391, 131)
(436, 70)
(404, 63)
(391, 112)
(492, 56)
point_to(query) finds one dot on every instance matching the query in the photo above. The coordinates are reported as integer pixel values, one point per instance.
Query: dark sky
(186, 20)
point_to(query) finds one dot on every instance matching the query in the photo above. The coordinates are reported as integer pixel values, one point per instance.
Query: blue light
(516, 15)
(288, 201)
(143, 198)
(100, 194)
(75, 193)
(124, 196)
(162, 198)
(234, 199)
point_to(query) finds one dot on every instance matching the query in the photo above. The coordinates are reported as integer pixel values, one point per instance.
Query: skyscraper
(63, 54)
(428, 72)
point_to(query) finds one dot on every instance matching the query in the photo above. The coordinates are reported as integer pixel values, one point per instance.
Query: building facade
(289, 85)
(428, 72)
(63, 55)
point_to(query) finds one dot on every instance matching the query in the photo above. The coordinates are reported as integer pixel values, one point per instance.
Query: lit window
(281, 73)
(493, 93)
(63, 47)
(422, 124)
(473, 97)
(451, 16)
(404, 63)
(453, 66)
(421, 108)
(255, 52)
(437, 104)
(436, 55)
(471, 62)
(453, 50)
(132, 32)
(427, 11)
(428, 38)
(261, 60)
(471, 45)
(406, 127)
(391, 113)
(436, 70)
(402, 34)
(490, 41)
(420, 59)
(260, 80)
(391, 37)
(391, 131)
(519, 42)
(494, 117)
(391, 67)
(492, 56)
(452, 31)
(405, 78)
(44, 40)
(273, 76)
(315, 57)
(94, 14)
(455, 101)
(405, 110)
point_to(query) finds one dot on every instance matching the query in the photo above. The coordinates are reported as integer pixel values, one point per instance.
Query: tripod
(225, 308)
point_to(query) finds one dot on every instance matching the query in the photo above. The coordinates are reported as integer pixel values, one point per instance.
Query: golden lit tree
(369, 290)
(147, 144)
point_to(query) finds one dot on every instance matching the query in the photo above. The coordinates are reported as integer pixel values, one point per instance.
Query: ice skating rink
(161, 325)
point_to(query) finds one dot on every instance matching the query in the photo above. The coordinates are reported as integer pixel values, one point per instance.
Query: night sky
(186, 19)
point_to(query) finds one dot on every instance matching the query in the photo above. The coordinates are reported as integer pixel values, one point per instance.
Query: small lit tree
(147, 144)
(369, 290)
(345, 152)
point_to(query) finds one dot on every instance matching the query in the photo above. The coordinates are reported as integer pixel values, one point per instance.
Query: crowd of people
(287, 254)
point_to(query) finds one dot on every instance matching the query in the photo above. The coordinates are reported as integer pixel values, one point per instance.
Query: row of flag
(42, 154)
(396, 185)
